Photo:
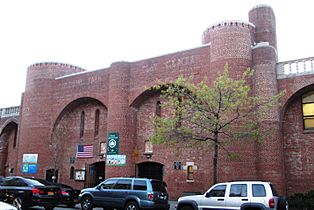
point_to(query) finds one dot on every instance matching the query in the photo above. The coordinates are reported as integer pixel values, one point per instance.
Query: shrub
(302, 201)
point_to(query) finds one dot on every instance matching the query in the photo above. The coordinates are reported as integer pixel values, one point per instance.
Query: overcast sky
(92, 34)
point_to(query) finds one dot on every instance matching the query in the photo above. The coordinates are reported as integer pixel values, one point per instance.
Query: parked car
(69, 195)
(24, 192)
(127, 194)
(242, 195)
(6, 206)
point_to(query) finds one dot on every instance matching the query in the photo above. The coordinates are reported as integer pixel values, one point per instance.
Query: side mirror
(207, 195)
(98, 187)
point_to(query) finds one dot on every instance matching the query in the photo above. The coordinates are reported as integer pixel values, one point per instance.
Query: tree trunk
(215, 160)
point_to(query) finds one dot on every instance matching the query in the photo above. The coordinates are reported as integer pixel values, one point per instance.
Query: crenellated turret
(36, 120)
(40, 72)
(230, 42)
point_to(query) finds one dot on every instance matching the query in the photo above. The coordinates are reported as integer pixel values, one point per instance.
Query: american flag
(84, 151)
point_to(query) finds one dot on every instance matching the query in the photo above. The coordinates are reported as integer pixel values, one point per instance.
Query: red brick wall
(144, 74)
(298, 150)
(202, 157)
(57, 93)
(71, 138)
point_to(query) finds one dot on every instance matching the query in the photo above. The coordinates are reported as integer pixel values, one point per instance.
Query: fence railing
(9, 111)
(293, 68)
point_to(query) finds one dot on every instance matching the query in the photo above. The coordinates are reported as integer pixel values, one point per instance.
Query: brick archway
(298, 145)
(8, 147)
(70, 129)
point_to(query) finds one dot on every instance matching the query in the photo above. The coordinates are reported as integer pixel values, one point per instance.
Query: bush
(302, 201)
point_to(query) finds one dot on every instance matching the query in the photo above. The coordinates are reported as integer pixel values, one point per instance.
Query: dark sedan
(69, 195)
(25, 192)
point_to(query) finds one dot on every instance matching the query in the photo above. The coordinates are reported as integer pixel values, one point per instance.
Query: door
(100, 172)
(150, 170)
(258, 193)
(95, 174)
(237, 195)
(215, 197)
(120, 192)
(103, 195)
(52, 175)
(89, 176)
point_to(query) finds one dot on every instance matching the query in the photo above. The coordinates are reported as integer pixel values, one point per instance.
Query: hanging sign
(113, 143)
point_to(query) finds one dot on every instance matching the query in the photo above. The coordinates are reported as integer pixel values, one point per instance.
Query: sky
(92, 34)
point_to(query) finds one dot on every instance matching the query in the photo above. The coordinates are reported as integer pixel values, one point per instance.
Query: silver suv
(240, 195)
(126, 194)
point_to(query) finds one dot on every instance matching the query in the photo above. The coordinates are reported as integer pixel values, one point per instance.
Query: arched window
(96, 123)
(82, 124)
(15, 137)
(308, 110)
(158, 108)
(72, 172)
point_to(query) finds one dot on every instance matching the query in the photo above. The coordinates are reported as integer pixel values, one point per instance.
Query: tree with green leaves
(227, 109)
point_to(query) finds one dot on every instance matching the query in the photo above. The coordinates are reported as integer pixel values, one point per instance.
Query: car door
(215, 197)
(237, 195)
(16, 186)
(120, 192)
(103, 193)
(259, 194)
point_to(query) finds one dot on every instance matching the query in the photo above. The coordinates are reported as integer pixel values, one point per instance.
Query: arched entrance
(95, 174)
(82, 122)
(8, 147)
(151, 170)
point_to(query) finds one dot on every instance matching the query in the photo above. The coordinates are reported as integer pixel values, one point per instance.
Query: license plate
(50, 193)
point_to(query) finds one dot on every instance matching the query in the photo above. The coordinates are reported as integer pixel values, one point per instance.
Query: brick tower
(270, 160)
(36, 122)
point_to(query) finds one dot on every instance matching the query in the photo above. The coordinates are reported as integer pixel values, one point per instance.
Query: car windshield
(158, 186)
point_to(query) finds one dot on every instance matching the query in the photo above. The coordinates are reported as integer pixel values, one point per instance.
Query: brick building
(65, 108)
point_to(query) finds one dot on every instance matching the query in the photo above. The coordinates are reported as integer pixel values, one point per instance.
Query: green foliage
(205, 113)
(225, 110)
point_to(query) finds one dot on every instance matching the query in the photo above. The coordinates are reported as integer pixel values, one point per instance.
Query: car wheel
(131, 206)
(18, 203)
(283, 203)
(186, 208)
(87, 203)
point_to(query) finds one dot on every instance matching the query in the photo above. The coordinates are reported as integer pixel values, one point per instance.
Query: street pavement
(78, 206)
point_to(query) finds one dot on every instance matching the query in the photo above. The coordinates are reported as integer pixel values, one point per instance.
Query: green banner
(113, 143)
